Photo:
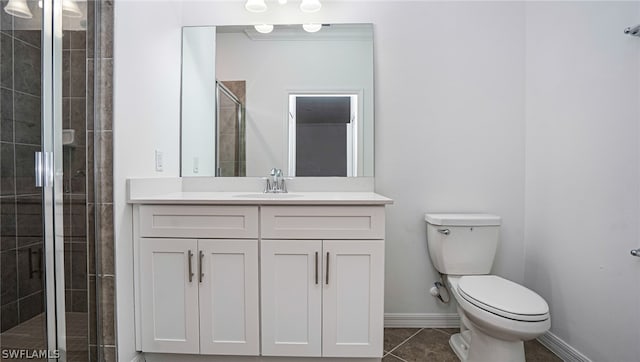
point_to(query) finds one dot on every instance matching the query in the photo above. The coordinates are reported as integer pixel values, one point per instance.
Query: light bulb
(310, 6)
(263, 28)
(71, 9)
(311, 28)
(19, 9)
(255, 6)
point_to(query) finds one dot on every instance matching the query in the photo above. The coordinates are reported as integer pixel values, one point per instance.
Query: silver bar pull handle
(200, 271)
(316, 268)
(38, 169)
(635, 252)
(190, 266)
(327, 271)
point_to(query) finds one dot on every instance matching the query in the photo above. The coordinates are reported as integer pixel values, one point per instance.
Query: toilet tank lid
(463, 219)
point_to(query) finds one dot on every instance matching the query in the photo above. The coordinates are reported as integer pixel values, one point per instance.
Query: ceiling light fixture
(255, 6)
(19, 9)
(70, 9)
(311, 28)
(263, 28)
(310, 6)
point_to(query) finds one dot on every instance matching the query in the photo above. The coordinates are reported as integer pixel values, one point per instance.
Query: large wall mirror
(291, 99)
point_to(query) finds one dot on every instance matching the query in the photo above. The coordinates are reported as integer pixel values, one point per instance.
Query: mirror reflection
(290, 99)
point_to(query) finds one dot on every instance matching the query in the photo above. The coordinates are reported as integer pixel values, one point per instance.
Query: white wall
(146, 118)
(449, 121)
(273, 69)
(582, 175)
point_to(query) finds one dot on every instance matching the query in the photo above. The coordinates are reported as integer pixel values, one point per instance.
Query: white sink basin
(268, 196)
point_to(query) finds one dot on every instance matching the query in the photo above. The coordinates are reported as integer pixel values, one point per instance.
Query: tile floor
(432, 345)
(31, 335)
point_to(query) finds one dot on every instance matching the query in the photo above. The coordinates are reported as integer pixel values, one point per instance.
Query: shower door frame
(52, 177)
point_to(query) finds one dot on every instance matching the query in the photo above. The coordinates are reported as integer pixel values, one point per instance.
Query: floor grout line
(441, 331)
(403, 342)
(400, 358)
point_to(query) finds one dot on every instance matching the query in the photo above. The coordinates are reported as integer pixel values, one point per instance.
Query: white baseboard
(421, 320)
(561, 348)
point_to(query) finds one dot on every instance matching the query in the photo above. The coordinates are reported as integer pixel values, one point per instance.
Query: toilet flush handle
(444, 231)
(635, 252)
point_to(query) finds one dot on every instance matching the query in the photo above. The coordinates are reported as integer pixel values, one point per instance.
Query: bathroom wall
(146, 118)
(582, 173)
(449, 132)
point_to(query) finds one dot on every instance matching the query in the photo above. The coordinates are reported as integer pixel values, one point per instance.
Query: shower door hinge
(44, 169)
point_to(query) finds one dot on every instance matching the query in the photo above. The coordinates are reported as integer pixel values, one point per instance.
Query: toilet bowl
(499, 315)
(496, 314)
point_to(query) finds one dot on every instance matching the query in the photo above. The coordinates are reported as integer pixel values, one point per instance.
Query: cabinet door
(353, 298)
(228, 280)
(291, 295)
(169, 295)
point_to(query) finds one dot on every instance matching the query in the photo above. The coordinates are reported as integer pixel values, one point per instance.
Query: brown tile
(77, 39)
(109, 354)
(428, 345)
(107, 255)
(91, 238)
(394, 336)
(107, 308)
(104, 171)
(106, 29)
(90, 169)
(105, 78)
(93, 332)
(78, 74)
(536, 352)
(89, 97)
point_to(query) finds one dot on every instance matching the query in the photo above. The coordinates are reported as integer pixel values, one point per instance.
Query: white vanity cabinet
(198, 296)
(322, 297)
(267, 278)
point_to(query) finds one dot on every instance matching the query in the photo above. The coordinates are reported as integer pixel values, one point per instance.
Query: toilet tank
(462, 244)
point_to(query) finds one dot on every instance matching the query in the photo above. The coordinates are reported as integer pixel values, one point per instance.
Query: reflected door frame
(353, 127)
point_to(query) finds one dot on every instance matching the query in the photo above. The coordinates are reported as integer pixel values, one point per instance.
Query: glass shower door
(36, 196)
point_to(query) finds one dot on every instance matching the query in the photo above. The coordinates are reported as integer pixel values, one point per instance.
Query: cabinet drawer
(322, 222)
(168, 221)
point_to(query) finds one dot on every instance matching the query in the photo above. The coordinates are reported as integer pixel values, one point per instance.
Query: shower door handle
(43, 169)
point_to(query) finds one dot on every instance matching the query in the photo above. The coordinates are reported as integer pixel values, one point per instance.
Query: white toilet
(496, 315)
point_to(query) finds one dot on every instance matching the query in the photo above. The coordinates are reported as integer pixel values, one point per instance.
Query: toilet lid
(503, 297)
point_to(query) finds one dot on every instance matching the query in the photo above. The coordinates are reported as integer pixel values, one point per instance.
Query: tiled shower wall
(74, 96)
(102, 272)
(20, 201)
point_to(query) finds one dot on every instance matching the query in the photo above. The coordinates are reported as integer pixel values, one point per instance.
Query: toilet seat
(503, 297)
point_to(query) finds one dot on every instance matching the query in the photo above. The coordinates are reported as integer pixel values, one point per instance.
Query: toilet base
(471, 346)
(460, 345)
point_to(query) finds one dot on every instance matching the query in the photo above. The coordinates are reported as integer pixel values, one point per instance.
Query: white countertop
(258, 198)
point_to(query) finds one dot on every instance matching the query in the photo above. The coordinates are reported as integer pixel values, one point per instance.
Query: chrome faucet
(275, 182)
